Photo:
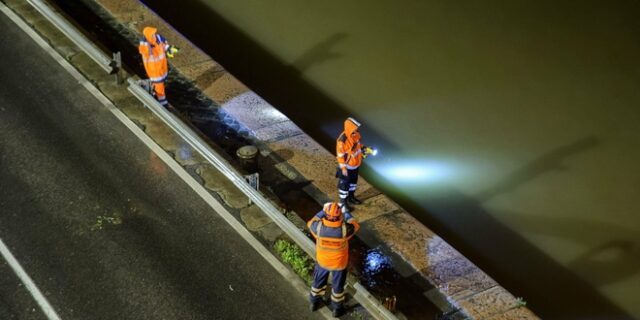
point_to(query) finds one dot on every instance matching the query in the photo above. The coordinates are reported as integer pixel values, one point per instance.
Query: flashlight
(172, 50)
(370, 151)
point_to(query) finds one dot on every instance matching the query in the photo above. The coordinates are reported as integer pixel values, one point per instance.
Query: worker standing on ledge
(332, 230)
(154, 50)
(350, 152)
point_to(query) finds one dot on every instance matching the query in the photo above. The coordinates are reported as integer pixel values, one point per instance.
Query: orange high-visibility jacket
(332, 241)
(348, 146)
(153, 49)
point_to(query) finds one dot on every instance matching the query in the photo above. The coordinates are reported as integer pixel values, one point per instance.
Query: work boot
(344, 204)
(353, 200)
(314, 306)
(337, 312)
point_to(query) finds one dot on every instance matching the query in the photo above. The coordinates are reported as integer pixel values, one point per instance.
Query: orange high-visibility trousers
(153, 50)
(158, 89)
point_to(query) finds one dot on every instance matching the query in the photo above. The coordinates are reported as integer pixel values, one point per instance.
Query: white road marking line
(15, 265)
(291, 277)
(28, 283)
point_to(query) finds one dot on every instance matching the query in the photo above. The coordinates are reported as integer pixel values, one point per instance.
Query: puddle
(376, 271)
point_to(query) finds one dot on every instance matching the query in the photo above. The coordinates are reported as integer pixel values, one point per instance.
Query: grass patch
(102, 221)
(296, 258)
(358, 313)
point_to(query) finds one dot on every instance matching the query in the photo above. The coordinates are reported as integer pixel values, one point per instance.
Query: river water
(511, 128)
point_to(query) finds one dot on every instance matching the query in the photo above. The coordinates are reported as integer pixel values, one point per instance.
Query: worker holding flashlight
(350, 152)
(154, 50)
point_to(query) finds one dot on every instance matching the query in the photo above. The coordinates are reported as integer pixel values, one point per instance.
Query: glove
(172, 50)
(344, 171)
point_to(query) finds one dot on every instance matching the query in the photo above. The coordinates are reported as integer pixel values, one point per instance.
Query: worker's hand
(367, 151)
(344, 171)
(172, 50)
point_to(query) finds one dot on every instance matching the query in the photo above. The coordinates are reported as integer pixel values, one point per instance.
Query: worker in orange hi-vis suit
(154, 50)
(349, 153)
(332, 228)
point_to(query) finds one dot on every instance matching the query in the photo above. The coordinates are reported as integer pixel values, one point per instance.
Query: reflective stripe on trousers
(338, 280)
(347, 185)
(158, 89)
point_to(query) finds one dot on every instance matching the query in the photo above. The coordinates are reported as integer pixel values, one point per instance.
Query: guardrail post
(116, 65)
(146, 85)
(254, 181)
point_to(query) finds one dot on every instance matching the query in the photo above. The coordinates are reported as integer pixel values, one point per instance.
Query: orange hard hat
(332, 209)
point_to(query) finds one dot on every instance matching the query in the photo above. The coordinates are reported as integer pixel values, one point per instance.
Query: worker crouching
(332, 230)
(154, 50)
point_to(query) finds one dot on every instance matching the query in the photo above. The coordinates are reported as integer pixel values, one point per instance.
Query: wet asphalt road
(161, 253)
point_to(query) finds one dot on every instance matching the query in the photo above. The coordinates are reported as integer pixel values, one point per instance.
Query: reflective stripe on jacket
(348, 146)
(332, 241)
(153, 49)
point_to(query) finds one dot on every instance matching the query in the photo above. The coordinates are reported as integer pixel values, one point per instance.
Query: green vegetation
(358, 314)
(102, 220)
(296, 258)
(520, 302)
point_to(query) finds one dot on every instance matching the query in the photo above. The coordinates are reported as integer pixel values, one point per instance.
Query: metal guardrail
(110, 65)
(362, 295)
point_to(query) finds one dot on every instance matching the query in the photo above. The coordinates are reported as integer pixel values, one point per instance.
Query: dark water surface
(511, 128)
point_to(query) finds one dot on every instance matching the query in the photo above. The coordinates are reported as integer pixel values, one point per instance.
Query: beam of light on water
(413, 171)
